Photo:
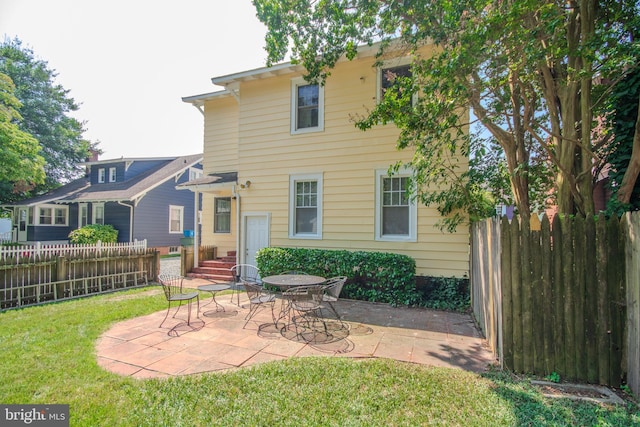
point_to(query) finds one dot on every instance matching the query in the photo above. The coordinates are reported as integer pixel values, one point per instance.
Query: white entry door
(22, 224)
(256, 235)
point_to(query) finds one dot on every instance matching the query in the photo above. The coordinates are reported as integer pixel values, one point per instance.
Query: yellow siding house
(285, 166)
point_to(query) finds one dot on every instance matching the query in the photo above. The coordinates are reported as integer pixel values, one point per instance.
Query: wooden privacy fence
(29, 278)
(205, 253)
(564, 300)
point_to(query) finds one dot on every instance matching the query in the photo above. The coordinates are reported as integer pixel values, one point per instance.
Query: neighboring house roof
(56, 194)
(80, 190)
(211, 181)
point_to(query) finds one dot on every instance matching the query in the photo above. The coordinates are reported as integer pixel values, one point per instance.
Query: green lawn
(48, 357)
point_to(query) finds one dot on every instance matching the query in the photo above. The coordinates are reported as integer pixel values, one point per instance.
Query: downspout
(236, 196)
(196, 236)
(130, 219)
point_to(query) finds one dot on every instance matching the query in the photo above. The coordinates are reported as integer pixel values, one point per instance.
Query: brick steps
(217, 270)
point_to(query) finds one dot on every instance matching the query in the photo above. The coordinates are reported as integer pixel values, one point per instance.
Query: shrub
(94, 233)
(371, 276)
(445, 293)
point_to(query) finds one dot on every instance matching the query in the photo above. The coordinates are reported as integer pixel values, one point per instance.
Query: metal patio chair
(173, 291)
(331, 292)
(243, 274)
(258, 296)
(305, 313)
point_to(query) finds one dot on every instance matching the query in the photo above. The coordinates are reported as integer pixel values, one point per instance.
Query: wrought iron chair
(243, 274)
(258, 297)
(331, 292)
(305, 313)
(173, 291)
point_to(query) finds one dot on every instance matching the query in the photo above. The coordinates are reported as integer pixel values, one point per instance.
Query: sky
(128, 63)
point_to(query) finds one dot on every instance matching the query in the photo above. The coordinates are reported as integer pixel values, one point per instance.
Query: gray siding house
(137, 196)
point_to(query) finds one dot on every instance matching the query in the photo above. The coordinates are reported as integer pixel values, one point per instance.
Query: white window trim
(413, 211)
(53, 215)
(102, 174)
(181, 208)
(292, 206)
(112, 174)
(195, 173)
(94, 209)
(391, 63)
(299, 81)
(215, 217)
(82, 206)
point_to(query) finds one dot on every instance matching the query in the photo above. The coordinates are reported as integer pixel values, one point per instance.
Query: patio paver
(139, 348)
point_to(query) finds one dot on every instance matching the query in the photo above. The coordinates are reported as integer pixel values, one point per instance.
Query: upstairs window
(307, 107)
(389, 74)
(194, 174)
(112, 174)
(102, 174)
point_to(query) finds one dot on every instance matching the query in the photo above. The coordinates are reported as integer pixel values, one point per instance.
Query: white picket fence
(39, 250)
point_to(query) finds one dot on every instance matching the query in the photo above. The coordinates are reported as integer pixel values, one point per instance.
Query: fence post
(631, 226)
(61, 269)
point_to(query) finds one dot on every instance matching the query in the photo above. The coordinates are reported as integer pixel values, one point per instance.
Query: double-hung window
(83, 214)
(112, 174)
(222, 215)
(305, 206)
(53, 215)
(307, 106)
(396, 214)
(98, 213)
(102, 173)
(389, 76)
(176, 214)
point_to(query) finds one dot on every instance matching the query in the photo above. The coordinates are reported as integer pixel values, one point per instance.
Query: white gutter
(196, 246)
(130, 219)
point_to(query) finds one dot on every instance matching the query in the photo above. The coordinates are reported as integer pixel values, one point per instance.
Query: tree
(623, 144)
(530, 70)
(45, 111)
(22, 164)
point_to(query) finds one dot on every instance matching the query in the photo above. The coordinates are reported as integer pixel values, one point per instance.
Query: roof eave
(258, 73)
(199, 100)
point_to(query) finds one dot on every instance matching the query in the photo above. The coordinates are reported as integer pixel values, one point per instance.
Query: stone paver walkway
(139, 348)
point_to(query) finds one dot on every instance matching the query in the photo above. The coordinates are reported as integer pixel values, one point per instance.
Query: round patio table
(214, 288)
(286, 281)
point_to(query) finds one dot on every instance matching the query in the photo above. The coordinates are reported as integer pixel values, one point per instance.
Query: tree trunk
(633, 170)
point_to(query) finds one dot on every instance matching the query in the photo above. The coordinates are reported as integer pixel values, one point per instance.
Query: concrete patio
(220, 341)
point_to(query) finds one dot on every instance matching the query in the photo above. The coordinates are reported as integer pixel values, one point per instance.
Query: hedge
(371, 276)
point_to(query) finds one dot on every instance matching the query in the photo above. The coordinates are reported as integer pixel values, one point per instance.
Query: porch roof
(212, 181)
